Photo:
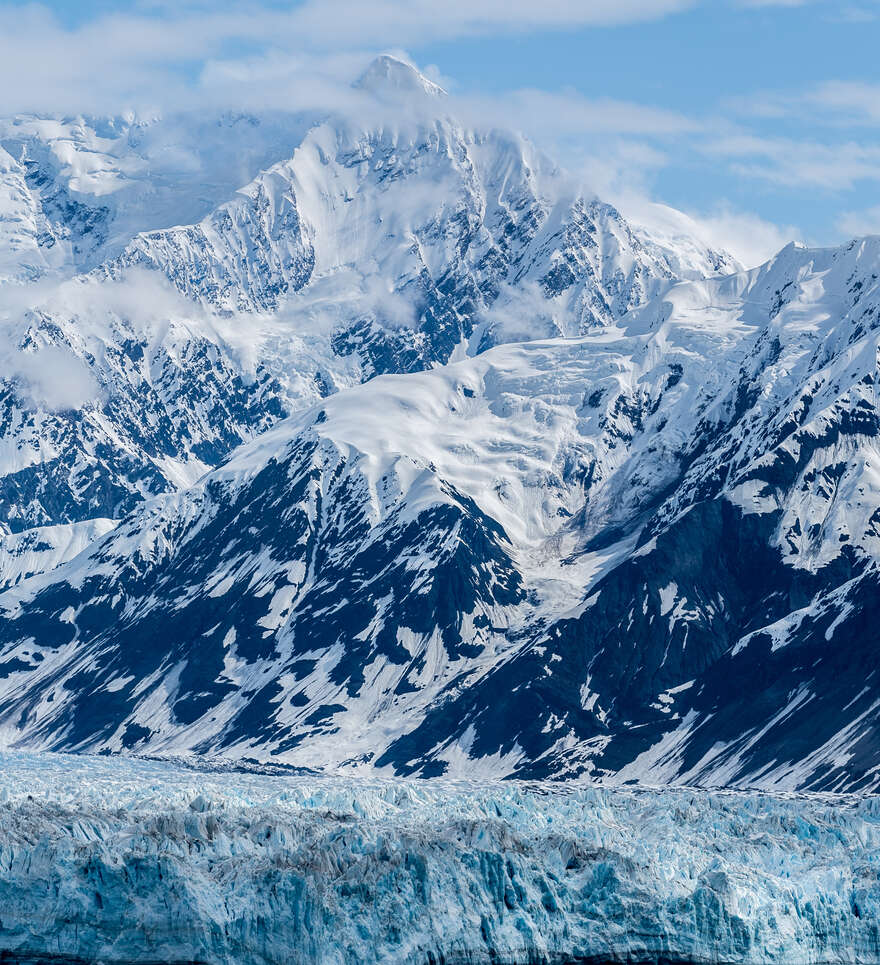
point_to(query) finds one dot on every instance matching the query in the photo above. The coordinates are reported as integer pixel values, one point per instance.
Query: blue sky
(759, 117)
(796, 77)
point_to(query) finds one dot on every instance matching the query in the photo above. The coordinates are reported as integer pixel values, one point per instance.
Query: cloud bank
(195, 55)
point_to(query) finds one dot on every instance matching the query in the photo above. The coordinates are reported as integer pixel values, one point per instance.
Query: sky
(760, 118)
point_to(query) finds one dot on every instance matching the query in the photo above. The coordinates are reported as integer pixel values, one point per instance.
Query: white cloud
(51, 377)
(142, 60)
(549, 114)
(860, 14)
(522, 312)
(748, 237)
(775, 3)
(835, 103)
(855, 224)
(47, 372)
(381, 21)
(848, 101)
(751, 239)
(789, 162)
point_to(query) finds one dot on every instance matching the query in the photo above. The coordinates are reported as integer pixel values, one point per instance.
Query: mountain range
(411, 456)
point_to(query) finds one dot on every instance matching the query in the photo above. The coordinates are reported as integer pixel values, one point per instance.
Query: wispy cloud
(197, 54)
(749, 237)
(858, 223)
(834, 103)
(167, 52)
(848, 101)
(377, 21)
(557, 113)
(776, 3)
(865, 12)
(791, 162)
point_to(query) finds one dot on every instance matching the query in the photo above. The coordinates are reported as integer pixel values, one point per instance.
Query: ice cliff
(142, 861)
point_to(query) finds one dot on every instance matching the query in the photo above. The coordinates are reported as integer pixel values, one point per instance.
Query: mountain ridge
(340, 262)
(548, 560)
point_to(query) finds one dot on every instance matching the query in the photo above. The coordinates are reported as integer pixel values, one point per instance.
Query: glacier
(407, 557)
(136, 861)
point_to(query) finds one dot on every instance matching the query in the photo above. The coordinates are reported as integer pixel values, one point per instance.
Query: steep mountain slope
(645, 552)
(360, 248)
(75, 191)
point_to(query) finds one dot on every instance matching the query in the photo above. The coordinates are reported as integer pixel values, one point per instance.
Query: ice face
(146, 861)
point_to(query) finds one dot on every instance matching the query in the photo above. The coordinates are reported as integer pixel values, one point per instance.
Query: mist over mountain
(370, 439)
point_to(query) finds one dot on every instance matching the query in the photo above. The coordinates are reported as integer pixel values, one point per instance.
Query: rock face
(647, 552)
(155, 416)
(145, 862)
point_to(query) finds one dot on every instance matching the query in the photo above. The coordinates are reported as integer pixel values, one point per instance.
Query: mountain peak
(390, 75)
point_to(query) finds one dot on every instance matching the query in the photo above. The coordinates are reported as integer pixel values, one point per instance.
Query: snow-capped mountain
(142, 347)
(645, 551)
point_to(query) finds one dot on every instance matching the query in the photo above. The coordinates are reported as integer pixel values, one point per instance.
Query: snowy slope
(380, 546)
(142, 862)
(43, 548)
(239, 268)
(87, 185)
(646, 552)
